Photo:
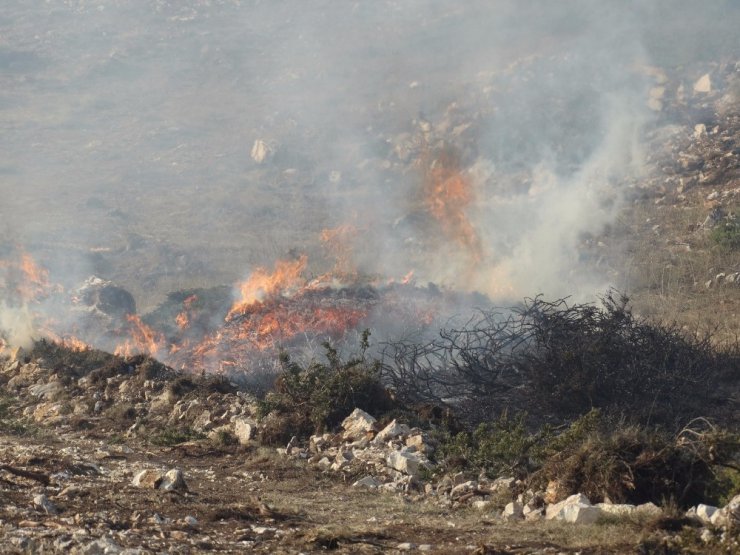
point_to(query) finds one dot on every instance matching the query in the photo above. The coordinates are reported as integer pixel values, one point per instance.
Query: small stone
(244, 430)
(191, 521)
(149, 478)
(367, 482)
(358, 424)
(513, 511)
(392, 431)
(173, 481)
(42, 502)
(703, 84)
(405, 546)
(699, 130)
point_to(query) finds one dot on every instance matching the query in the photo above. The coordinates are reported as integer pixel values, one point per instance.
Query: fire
(143, 339)
(75, 344)
(67, 341)
(448, 193)
(278, 322)
(261, 284)
(183, 318)
(25, 278)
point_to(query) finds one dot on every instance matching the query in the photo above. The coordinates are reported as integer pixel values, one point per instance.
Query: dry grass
(667, 269)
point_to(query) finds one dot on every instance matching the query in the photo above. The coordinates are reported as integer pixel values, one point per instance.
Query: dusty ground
(303, 510)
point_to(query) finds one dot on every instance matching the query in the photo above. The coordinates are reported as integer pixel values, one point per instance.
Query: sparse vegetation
(317, 397)
(175, 436)
(727, 234)
(563, 360)
(9, 422)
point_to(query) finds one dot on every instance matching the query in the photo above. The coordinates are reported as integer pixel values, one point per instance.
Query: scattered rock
(408, 463)
(367, 482)
(513, 511)
(703, 84)
(392, 431)
(42, 503)
(244, 430)
(705, 513)
(149, 479)
(556, 511)
(358, 424)
(173, 480)
(616, 509)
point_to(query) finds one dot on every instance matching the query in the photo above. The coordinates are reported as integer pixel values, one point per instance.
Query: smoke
(128, 129)
(17, 325)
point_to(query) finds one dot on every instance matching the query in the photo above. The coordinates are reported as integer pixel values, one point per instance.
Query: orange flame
(183, 318)
(67, 341)
(29, 280)
(261, 284)
(448, 192)
(143, 339)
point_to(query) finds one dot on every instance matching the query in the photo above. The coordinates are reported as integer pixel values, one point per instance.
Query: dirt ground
(248, 499)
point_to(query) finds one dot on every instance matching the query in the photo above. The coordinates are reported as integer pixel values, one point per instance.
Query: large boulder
(392, 431)
(358, 424)
(406, 462)
(576, 509)
(244, 429)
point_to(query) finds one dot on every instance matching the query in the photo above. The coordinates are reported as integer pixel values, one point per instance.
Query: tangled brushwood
(558, 361)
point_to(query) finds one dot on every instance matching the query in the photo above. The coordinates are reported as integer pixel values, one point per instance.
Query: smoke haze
(128, 131)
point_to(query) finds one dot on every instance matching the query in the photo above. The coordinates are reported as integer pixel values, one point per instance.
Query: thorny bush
(317, 397)
(558, 361)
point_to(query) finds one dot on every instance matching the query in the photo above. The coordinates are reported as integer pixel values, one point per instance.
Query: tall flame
(143, 339)
(448, 193)
(261, 284)
(183, 318)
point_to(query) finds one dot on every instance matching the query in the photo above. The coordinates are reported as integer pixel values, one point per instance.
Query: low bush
(317, 397)
(727, 234)
(503, 447)
(604, 458)
(558, 361)
(629, 463)
(174, 436)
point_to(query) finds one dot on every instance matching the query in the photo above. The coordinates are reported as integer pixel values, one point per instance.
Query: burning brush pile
(207, 330)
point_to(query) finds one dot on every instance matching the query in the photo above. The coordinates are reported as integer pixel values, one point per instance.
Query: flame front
(143, 339)
(260, 284)
(448, 194)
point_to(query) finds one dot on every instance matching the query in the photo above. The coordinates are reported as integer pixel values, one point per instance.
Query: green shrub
(637, 464)
(727, 235)
(502, 447)
(174, 436)
(319, 396)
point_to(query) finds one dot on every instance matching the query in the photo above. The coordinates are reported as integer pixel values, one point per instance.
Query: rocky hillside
(109, 455)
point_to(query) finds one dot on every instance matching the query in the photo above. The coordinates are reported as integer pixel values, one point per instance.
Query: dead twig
(37, 476)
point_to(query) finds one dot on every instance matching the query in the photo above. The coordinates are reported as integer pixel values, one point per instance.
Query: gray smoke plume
(167, 145)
